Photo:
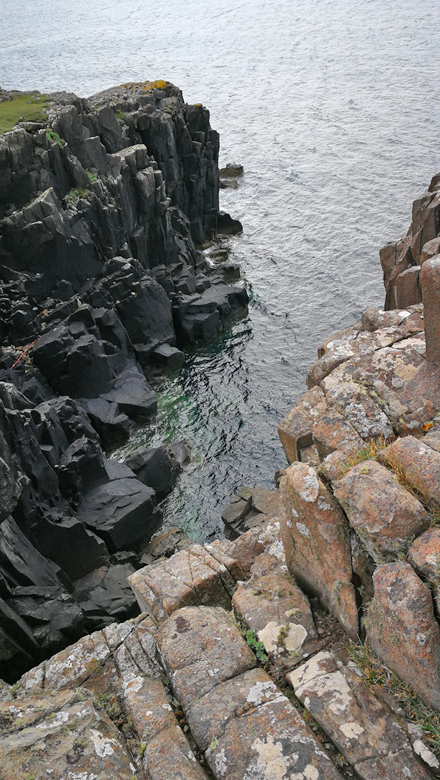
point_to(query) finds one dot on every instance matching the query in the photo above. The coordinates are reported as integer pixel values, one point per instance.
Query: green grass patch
(29, 107)
(52, 136)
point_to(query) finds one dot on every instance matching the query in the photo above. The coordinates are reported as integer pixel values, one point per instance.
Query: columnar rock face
(360, 495)
(402, 260)
(103, 211)
(430, 281)
(165, 699)
(316, 541)
(403, 631)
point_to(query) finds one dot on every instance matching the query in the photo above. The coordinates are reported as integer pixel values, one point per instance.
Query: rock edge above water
(110, 266)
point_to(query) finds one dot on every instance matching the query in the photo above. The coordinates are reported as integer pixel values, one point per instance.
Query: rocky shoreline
(252, 656)
(110, 267)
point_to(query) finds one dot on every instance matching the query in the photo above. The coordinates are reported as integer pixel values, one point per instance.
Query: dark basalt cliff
(103, 210)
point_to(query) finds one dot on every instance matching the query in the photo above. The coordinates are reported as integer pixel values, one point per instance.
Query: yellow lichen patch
(147, 86)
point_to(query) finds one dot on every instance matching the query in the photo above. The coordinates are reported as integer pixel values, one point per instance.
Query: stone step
(333, 690)
(245, 725)
(205, 575)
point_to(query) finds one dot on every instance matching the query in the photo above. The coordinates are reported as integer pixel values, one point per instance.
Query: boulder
(123, 512)
(194, 642)
(296, 429)
(106, 596)
(418, 464)
(424, 557)
(384, 515)
(74, 731)
(154, 467)
(70, 545)
(359, 726)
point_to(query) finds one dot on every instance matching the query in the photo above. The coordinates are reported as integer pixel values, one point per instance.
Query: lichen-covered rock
(354, 403)
(358, 725)
(166, 752)
(189, 577)
(384, 515)
(268, 739)
(279, 613)
(403, 631)
(201, 648)
(295, 430)
(333, 432)
(424, 557)
(66, 735)
(316, 542)
(418, 463)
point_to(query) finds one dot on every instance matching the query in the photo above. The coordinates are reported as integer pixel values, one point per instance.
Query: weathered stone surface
(407, 289)
(430, 282)
(201, 648)
(316, 542)
(403, 631)
(279, 613)
(295, 430)
(67, 735)
(72, 666)
(184, 579)
(337, 697)
(334, 466)
(333, 432)
(394, 767)
(268, 738)
(353, 402)
(424, 557)
(384, 515)
(248, 509)
(418, 463)
(169, 757)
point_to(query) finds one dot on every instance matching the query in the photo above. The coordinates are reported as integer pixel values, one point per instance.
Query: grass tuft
(376, 673)
(368, 451)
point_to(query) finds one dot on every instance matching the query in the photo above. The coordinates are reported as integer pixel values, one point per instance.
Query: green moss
(30, 107)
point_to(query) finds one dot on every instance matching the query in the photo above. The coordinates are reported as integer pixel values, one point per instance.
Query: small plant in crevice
(55, 138)
(74, 195)
(92, 177)
(256, 646)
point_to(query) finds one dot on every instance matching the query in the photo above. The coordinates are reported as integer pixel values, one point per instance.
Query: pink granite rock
(418, 463)
(384, 515)
(316, 542)
(403, 631)
(430, 282)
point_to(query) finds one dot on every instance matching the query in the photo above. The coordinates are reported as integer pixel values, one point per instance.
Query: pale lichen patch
(103, 745)
(270, 764)
(351, 730)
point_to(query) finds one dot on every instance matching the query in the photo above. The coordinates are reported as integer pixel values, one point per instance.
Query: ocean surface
(333, 109)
